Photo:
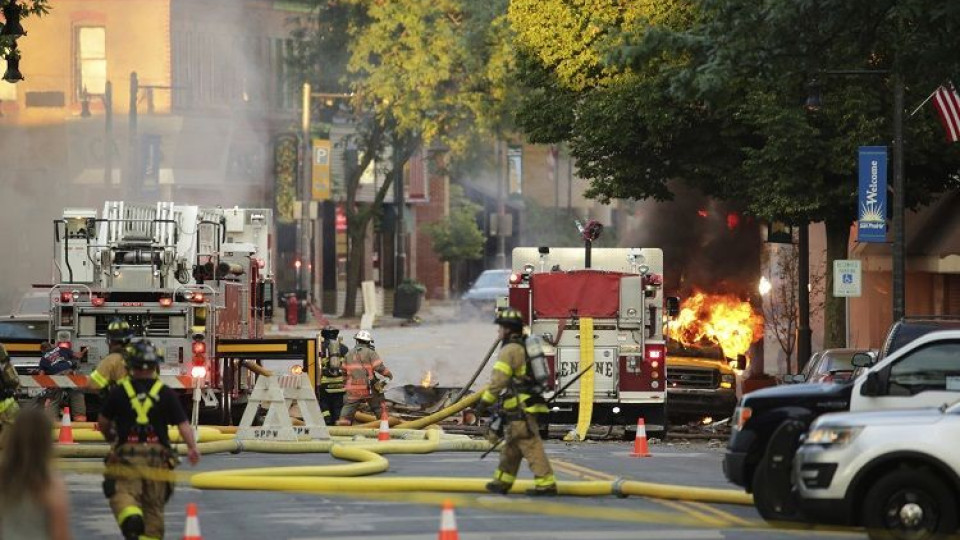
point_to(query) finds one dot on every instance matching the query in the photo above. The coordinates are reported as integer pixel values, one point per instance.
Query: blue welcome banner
(872, 203)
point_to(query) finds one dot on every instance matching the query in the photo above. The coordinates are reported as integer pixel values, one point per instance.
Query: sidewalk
(431, 312)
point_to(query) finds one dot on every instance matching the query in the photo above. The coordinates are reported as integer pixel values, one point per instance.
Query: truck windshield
(20, 329)
(675, 348)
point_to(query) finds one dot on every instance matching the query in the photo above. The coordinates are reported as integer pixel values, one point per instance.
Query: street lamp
(813, 102)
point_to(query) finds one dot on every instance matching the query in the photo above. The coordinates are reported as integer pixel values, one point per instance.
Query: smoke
(707, 245)
(214, 148)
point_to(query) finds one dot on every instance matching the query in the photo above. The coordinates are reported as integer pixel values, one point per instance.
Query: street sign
(846, 278)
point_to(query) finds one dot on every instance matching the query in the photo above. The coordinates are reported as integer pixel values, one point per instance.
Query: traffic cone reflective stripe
(66, 428)
(384, 433)
(192, 529)
(640, 448)
(448, 523)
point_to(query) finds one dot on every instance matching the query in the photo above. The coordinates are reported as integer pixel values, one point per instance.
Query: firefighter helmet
(363, 336)
(143, 355)
(119, 330)
(509, 317)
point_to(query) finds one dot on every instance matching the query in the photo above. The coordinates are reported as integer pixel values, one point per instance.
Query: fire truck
(197, 282)
(620, 291)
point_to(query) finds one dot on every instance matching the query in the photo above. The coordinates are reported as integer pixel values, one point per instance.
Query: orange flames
(427, 379)
(720, 319)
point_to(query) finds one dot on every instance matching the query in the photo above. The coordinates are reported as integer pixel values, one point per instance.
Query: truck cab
(701, 383)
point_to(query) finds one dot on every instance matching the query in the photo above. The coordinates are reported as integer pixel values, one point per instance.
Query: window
(8, 91)
(91, 60)
(934, 367)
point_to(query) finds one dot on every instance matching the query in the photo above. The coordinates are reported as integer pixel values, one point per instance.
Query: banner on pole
(872, 200)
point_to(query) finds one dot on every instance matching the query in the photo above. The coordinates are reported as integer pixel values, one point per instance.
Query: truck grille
(692, 378)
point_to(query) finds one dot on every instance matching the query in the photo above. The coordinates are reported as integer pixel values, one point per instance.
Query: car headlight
(832, 436)
(728, 380)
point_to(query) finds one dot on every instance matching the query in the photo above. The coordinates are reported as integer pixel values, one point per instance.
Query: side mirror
(862, 360)
(673, 306)
(788, 378)
(871, 385)
(740, 363)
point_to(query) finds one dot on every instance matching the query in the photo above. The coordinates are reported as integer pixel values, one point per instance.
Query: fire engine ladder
(140, 223)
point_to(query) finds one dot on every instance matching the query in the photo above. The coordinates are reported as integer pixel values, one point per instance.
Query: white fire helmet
(363, 336)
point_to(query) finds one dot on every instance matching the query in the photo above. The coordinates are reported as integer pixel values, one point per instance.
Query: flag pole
(924, 101)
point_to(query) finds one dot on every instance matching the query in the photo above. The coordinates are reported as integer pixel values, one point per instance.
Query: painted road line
(678, 534)
(732, 518)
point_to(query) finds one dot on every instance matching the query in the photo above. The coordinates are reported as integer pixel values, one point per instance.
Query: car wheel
(774, 494)
(909, 504)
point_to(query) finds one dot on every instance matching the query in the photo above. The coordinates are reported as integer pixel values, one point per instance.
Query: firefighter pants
(522, 440)
(331, 403)
(351, 405)
(138, 485)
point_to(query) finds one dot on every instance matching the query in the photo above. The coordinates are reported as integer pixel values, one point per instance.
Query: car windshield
(20, 329)
(492, 280)
(838, 362)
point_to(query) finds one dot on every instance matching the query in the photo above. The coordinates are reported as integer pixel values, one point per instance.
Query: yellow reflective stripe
(326, 414)
(128, 512)
(99, 379)
(155, 389)
(544, 481)
(125, 383)
(503, 367)
(488, 397)
(142, 407)
(5, 404)
(145, 537)
(538, 408)
(504, 477)
(510, 403)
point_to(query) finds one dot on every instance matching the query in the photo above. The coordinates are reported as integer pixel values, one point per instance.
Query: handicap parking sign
(846, 278)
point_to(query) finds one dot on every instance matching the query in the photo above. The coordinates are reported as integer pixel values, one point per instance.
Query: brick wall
(427, 268)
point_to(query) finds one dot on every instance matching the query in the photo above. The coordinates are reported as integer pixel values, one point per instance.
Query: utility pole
(899, 266)
(133, 175)
(306, 161)
(501, 211)
(108, 134)
(803, 296)
(398, 198)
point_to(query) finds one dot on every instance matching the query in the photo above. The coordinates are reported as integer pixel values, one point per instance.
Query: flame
(720, 319)
(427, 379)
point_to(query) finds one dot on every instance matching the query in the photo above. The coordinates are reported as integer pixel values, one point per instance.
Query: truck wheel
(909, 504)
(774, 495)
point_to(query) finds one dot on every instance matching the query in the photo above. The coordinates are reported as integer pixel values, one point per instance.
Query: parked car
(768, 424)
(482, 296)
(831, 365)
(897, 473)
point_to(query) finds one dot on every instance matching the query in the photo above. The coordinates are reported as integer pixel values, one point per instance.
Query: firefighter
(9, 385)
(362, 385)
(134, 419)
(113, 367)
(57, 360)
(519, 406)
(332, 378)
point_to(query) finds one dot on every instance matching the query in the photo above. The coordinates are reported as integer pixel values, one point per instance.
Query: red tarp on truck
(581, 293)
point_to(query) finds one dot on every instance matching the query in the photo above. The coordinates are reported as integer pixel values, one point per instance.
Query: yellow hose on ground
(205, 434)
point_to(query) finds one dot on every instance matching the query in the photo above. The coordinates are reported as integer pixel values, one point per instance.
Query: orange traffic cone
(640, 448)
(448, 523)
(192, 530)
(384, 433)
(66, 428)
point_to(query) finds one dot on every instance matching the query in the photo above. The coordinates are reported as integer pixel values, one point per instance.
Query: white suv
(897, 473)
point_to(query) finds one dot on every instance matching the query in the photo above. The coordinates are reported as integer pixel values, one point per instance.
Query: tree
(420, 71)
(458, 238)
(37, 8)
(709, 93)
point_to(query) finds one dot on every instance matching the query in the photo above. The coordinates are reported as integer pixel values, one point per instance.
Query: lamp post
(813, 102)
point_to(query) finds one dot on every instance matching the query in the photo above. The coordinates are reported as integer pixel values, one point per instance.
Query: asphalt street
(231, 515)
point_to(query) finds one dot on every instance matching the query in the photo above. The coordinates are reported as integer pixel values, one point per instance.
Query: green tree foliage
(419, 72)
(457, 238)
(29, 8)
(710, 93)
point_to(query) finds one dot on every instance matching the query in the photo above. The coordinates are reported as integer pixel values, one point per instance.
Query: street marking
(680, 534)
(732, 518)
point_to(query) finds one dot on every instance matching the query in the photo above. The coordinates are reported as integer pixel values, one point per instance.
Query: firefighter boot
(133, 527)
(498, 487)
(543, 491)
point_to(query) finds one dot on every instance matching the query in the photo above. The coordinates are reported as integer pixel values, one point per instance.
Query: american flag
(947, 102)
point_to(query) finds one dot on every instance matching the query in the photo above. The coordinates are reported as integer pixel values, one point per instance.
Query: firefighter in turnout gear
(332, 376)
(9, 385)
(362, 365)
(113, 368)
(519, 405)
(134, 419)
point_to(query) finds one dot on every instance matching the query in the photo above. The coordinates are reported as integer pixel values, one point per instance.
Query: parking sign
(846, 278)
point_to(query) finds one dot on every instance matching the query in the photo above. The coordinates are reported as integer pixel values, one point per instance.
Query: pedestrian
(34, 504)
(519, 405)
(9, 386)
(362, 365)
(134, 418)
(332, 376)
(113, 367)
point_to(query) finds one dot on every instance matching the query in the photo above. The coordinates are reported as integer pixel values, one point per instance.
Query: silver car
(897, 473)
